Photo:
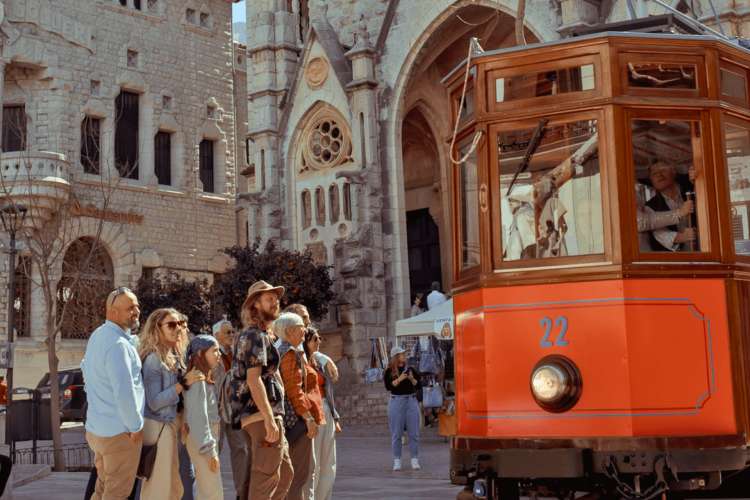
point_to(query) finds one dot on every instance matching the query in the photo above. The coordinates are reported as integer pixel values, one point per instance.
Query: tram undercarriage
(605, 474)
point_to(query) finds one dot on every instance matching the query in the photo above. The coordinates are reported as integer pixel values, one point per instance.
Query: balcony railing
(38, 179)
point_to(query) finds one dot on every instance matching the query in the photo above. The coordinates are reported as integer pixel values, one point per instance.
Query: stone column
(272, 53)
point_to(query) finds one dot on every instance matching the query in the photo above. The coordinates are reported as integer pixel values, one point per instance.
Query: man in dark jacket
(671, 193)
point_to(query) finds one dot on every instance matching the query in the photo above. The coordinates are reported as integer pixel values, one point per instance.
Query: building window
(205, 20)
(14, 128)
(207, 165)
(320, 206)
(124, 3)
(163, 158)
(91, 145)
(126, 134)
(333, 200)
(347, 201)
(132, 58)
(137, 4)
(306, 209)
(96, 87)
(166, 102)
(87, 278)
(22, 302)
(190, 15)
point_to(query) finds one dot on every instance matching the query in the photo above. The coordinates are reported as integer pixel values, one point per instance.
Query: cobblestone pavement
(364, 471)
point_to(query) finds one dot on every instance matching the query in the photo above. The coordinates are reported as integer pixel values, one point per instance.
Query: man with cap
(238, 451)
(256, 395)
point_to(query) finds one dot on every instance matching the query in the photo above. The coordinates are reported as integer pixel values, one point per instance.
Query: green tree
(305, 281)
(192, 298)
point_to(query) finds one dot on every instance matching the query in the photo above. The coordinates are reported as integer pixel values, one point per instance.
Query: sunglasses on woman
(173, 324)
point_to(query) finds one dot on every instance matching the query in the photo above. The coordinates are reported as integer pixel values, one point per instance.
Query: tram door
(423, 240)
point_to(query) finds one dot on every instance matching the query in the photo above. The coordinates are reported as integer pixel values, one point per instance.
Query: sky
(238, 12)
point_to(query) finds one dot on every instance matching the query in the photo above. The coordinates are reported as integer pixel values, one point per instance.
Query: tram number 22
(560, 325)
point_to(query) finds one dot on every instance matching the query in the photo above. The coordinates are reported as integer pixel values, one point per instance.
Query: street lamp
(12, 216)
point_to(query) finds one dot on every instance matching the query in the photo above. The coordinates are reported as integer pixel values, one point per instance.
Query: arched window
(87, 278)
(320, 206)
(306, 209)
(333, 200)
(347, 201)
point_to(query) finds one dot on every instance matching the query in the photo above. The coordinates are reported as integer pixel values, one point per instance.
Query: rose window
(327, 145)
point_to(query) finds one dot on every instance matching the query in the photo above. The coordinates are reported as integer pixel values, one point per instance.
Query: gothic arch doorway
(425, 136)
(87, 278)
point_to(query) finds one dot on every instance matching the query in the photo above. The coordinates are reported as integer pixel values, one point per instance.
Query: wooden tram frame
(613, 103)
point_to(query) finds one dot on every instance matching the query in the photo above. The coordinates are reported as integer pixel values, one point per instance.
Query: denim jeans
(403, 412)
(187, 473)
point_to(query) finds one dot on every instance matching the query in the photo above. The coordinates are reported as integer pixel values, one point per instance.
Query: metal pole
(11, 327)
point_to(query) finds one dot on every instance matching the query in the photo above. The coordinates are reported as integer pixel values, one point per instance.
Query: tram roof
(593, 36)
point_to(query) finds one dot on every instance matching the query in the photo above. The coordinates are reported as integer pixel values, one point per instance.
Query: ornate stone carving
(316, 72)
(319, 253)
(326, 143)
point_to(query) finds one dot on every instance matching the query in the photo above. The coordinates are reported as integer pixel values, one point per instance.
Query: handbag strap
(162, 430)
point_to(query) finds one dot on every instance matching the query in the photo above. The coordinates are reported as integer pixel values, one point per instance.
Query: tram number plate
(556, 328)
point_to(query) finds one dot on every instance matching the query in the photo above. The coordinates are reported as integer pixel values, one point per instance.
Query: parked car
(72, 394)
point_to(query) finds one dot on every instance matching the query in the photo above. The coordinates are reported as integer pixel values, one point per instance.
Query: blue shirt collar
(124, 333)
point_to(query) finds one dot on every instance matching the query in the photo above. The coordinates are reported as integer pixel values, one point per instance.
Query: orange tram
(602, 268)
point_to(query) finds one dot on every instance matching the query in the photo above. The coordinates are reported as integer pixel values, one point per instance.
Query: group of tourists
(160, 404)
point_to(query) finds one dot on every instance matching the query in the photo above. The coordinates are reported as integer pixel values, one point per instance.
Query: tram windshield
(664, 153)
(550, 190)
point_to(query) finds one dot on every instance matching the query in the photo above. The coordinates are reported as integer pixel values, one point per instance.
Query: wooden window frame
(738, 70)
(651, 57)
(549, 65)
(500, 265)
(705, 189)
(460, 272)
(744, 123)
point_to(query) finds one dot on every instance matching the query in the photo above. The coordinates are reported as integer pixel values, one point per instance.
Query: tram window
(734, 86)
(545, 83)
(550, 191)
(657, 75)
(664, 158)
(469, 199)
(467, 109)
(737, 139)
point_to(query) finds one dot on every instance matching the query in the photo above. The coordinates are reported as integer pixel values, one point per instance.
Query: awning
(437, 321)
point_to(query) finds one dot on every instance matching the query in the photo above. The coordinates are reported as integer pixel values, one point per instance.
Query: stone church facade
(350, 127)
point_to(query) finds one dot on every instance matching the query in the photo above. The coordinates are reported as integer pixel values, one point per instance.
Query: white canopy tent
(437, 321)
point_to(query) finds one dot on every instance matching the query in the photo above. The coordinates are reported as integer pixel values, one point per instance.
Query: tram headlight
(556, 384)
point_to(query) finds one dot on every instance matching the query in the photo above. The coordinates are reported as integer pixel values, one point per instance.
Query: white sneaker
(415, 464)
(396, 464)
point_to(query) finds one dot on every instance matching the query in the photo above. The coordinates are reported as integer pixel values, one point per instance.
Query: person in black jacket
(671, 194)
(403, 410)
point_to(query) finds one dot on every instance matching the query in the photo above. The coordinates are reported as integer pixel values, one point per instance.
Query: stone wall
(68, 59)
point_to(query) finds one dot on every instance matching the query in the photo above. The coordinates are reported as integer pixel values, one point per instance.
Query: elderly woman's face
(295, 334)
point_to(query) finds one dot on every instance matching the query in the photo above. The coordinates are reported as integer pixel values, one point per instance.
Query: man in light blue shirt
(114, 391)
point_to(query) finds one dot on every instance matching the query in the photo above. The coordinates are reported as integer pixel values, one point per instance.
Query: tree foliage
(305, 281)
(192, 298)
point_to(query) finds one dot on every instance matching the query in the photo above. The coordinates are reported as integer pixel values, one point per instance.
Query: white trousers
(208, 484)
(164, 483)
(320, 486)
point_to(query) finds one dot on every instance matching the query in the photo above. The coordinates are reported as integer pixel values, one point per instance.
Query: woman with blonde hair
(163, 341)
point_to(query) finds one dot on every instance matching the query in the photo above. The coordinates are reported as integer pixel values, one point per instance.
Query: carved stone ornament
(316, 72)
(326, 143)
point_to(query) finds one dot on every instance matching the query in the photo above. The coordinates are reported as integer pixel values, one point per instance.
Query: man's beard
(269, 316)
(135, 325)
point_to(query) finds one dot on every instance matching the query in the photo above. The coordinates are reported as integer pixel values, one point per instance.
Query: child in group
(202, 418)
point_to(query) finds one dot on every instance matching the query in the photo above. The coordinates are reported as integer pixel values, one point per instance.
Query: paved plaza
(364, 471)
